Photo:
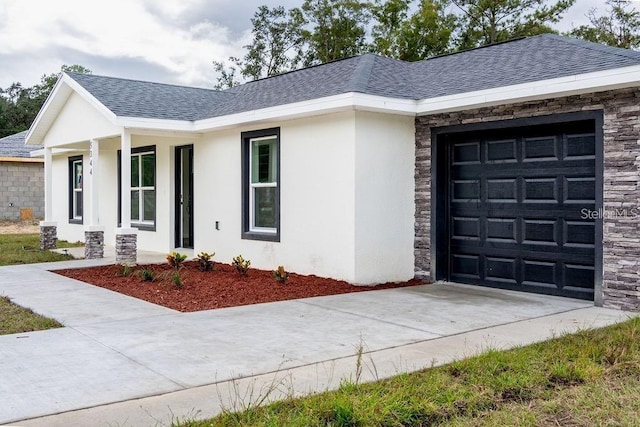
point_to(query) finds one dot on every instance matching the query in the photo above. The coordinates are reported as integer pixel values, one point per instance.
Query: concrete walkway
(125, 362)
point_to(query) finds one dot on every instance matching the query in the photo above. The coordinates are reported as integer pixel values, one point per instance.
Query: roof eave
(20, 159)
(326, 105)
(577, 84)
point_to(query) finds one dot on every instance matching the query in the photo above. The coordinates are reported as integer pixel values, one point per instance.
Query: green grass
(15, 319)
(25, 249)
(584, 379)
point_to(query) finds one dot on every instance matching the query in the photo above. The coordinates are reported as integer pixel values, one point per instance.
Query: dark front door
(184, 196)
(520, 208)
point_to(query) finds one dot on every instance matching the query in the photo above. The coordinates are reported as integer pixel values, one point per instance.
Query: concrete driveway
(122, 361)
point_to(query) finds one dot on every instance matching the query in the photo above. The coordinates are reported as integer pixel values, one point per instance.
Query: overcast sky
(171, 41)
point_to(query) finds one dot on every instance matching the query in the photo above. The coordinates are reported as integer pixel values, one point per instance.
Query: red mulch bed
(223, 287)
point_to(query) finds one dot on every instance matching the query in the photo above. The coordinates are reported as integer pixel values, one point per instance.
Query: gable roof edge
(52, 106)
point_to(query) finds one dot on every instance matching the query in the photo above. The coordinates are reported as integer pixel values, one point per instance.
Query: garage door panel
(466, 265)
(536, 190)
(502, 230)
(540, 232)
(579, 234)
(465, 190)
(580, 147)
(501, 269)
(502, 151)
(502, 190)
(465, 228)
(540, 149)
(537, 272)
(580, 190)
(516, 207)
(578, 276)
(467, 153)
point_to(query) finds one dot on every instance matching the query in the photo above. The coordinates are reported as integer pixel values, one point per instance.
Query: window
(143, 187)
(261, 185)
(75, 189)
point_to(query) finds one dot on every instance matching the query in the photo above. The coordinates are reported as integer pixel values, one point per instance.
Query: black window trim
(246, 138)
(72, 160)
(137, 150)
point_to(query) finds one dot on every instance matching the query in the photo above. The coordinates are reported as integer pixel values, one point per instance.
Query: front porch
(114, 215)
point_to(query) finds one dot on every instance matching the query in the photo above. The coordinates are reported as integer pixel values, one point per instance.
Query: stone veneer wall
(48, 237)
(126, 248)
(21, 186)
(93, 244)
(621, 235)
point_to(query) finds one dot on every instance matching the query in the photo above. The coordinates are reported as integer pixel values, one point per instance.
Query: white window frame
(140, 189)
(254, 186)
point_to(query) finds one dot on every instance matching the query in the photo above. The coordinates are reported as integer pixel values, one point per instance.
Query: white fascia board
(330, 104)
(37, 153)
(54, 152)
(155, 124)
(382, 104)
(55, 93)
(564, 86)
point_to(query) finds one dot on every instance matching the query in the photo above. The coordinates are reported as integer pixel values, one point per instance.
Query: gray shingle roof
(134, 98)
(13, 146)
(519, 61)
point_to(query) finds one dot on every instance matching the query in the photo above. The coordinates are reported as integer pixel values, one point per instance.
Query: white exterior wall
(346, 194)
(316, 198)
(384, 198)
(78, 121)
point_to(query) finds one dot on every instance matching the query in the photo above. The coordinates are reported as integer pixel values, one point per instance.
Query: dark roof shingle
(14, 146)
(519, 61)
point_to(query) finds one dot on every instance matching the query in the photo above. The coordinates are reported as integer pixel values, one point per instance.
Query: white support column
(125, 179)
(48, 227)
(94, 183)
(48, 185)
(93, 231)
(126, 237)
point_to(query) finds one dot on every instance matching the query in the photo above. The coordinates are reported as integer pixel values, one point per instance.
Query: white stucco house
(495, 166)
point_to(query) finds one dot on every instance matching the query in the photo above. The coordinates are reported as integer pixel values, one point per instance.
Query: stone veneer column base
(93, 242)
(126, 246)
(48, 235)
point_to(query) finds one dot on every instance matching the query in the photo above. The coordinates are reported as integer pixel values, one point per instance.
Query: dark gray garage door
(518, 201)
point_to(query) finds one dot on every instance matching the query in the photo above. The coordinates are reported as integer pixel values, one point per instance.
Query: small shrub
(176, 260)
(125, 270)
(280, 274)
(147, 275)
(176, 279)
(205, 261)
(241, 265)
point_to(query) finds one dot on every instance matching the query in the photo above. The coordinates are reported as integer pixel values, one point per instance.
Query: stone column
(48, 235)
(93, 242)
(126, 246)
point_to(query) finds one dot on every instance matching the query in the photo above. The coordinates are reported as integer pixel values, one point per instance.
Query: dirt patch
(223, 287)
(19, 227)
